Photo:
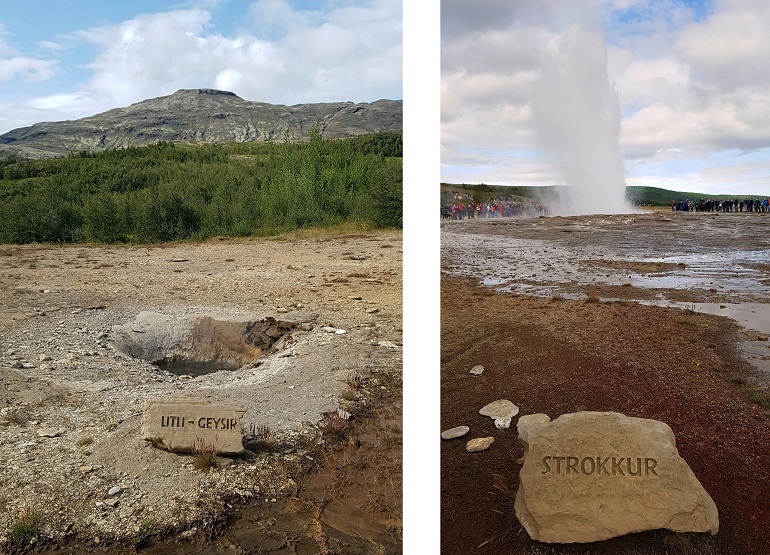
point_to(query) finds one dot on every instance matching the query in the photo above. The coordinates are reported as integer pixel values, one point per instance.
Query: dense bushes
(166, 192)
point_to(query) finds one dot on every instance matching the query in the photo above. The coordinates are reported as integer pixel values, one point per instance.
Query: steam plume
(577, 119)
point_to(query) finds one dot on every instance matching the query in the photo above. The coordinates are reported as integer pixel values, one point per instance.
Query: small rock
(503, 423)
(85, 469)
(388, 344)
(452, 433)
(479, 444)
(16, 364)
(115, 490)
(44, 358)
(477, 370)
(282, 310)
(49, 432)
(354, 297)
(111, 502)
(340, 332)
(372, 310)
(502, 408)
(329, 329)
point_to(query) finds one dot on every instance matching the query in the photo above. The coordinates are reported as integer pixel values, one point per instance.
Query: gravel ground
(70, 403)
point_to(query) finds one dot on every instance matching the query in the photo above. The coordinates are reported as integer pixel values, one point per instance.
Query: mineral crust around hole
(591, 476)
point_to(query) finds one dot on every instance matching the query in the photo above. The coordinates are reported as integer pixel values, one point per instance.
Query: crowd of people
(498, 208)
(717, 205)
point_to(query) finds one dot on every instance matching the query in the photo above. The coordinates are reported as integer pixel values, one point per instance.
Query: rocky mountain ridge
(200, 115)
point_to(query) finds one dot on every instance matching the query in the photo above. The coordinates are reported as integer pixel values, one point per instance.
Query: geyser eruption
(577, 118)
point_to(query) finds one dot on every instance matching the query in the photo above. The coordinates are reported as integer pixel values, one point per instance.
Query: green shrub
(168, 192)
(25, 528)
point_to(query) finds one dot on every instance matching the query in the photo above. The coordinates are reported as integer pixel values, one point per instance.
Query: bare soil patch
(556, 356)
(70, 402)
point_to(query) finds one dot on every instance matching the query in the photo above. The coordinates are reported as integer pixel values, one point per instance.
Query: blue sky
(65, 59)
(691, 79)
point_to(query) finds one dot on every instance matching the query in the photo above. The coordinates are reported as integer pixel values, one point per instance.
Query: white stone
(503, 423)
(479, 444)
(477, 370)
(499, 409)
(49, 432)
(457, 431)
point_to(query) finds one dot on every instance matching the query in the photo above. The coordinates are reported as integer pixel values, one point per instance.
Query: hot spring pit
(201, 344)
(194, 368)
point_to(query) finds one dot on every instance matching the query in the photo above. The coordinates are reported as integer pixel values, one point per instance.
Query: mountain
(200, 115)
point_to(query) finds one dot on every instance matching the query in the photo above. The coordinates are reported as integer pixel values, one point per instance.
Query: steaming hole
(194, 368)
(198, 344)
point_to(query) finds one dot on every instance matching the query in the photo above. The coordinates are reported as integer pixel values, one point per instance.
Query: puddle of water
(193, 367)
(726, 270)
(753, 316)
(535, 258)
(502, 260)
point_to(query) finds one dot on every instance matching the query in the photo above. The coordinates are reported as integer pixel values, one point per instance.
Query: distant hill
(639, 196)
(200, 115)
(653, 196)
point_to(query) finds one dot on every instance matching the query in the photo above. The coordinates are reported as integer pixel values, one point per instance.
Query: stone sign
(591, 476)
(179, 424)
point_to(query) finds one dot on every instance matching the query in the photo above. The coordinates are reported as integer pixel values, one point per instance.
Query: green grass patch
(25, 528)
(760, 397)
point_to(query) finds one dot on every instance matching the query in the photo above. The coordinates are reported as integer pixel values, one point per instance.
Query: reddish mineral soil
(554, 356)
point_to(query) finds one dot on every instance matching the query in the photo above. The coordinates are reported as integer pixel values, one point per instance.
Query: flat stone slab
(590, 476)
(179, 425)
(452, 433)
(479, 444)
(499, 409)
(477, 370)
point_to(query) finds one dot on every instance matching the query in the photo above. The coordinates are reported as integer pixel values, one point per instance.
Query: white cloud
(52, 45)
(687, 80)
(13, 64)
(62, 102)
(352, 54)
(344, 53)
(29, 69)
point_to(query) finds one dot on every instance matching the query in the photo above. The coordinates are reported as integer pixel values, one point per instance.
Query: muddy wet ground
(551, 308)
(696, 257)
(708, 262)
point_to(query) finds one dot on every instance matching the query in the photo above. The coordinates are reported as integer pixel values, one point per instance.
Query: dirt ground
(556, 356)
(550, 307)
(70, 403)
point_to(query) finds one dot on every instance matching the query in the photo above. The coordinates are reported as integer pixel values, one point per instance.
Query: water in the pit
(194, 368)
